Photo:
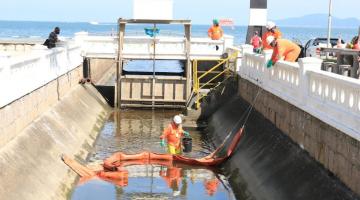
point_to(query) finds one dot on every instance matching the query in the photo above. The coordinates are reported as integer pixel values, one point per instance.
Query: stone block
(341, 145)
(270, 115)
(331, 161)
(313, 148)
(286, 126)
(320, 152)
(354, 151)
(326, 156)
(293, 132)
(330, 138)
(355, 175)
(321, 131)
(340, 166)
(345, 170)
(307, 144)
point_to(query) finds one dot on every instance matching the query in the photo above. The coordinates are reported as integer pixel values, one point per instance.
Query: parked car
(312, 47)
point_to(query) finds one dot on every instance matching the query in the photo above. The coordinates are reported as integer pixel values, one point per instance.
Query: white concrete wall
(20, 75)
(332, 98)
(142, 46)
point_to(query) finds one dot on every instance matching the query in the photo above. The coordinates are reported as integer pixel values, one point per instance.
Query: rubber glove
(186, 134)
(269, 64)
(162, 143)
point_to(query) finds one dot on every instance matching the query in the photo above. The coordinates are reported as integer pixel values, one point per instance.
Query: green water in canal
(134, 131)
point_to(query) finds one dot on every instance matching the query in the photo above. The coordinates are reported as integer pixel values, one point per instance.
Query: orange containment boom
(119, 160)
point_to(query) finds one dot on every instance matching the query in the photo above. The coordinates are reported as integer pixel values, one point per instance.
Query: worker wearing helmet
(173, 134)
(283, 50)
(215, 32)
(272, 30)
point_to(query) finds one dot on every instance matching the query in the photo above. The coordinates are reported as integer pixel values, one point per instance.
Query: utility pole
(329, 24)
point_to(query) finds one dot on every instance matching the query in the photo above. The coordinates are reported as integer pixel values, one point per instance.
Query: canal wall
(318, 110)
(31, 167)
(100, 67)
(45, 113)
(267, 164)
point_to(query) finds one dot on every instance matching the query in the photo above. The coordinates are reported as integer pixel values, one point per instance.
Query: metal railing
(197, 87)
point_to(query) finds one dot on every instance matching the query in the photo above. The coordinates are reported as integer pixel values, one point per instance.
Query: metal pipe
(153, 79)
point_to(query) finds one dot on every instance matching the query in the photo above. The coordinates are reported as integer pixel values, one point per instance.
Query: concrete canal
(266, 165)
(133, 131)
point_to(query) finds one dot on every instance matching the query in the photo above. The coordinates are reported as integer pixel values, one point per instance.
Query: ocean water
(27, 29)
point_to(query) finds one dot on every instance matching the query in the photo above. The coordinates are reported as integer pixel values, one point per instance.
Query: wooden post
(119, 64)
(187, 27)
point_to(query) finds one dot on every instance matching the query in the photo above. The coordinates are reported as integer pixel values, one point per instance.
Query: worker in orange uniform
(272, 30)
(173, 134)
(283, 50)
(215, 32)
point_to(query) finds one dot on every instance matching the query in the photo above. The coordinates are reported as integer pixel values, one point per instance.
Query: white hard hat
(270, 25)
(270, 39)
(177, 119)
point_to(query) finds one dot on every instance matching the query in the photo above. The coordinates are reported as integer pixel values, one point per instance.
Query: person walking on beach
(272, 30)
(256, 42)
(172, 135)
(53, 38)
(283, 50)
(215, 32)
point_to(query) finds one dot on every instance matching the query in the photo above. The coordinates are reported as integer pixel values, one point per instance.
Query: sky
(199, 11)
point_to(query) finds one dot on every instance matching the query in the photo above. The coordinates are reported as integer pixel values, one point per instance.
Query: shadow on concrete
(267, 164)
(107, 92)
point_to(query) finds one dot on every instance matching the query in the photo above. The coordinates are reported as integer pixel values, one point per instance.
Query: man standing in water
(173, 134)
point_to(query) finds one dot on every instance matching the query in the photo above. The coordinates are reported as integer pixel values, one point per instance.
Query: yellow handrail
(196, 79)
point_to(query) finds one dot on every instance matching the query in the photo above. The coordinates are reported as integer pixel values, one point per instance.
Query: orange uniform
(285, 50)
(173, 135)
(215, 32)
(277, 34)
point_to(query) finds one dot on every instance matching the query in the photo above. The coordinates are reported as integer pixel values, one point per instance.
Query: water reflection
(153, 181)
(134, 131)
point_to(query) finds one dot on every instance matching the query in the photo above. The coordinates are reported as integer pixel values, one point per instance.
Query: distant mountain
(319, 20)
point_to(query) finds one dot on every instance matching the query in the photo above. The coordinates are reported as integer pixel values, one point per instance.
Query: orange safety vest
(287, 49)
(173, 134)
(277, 34)
(215, 32)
